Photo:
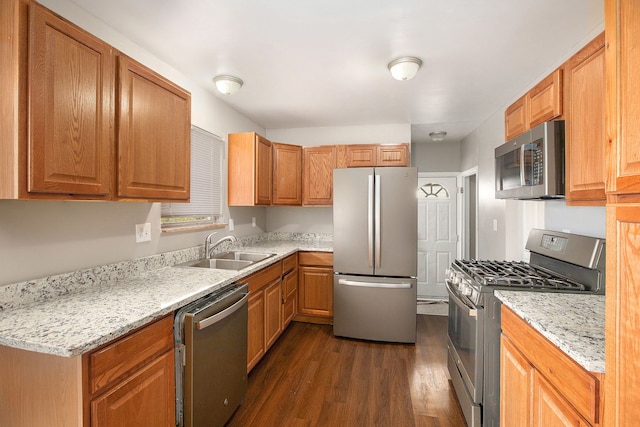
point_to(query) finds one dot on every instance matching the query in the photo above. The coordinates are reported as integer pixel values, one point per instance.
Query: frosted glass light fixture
(227, 85)
(404, 68)
(438, 136)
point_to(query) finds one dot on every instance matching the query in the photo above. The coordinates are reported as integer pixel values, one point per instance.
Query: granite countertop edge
(572, 322)
(84, 318)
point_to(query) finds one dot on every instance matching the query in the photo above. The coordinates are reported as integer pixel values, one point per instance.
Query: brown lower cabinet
(540, 385)
(129, 381)
(315, 287)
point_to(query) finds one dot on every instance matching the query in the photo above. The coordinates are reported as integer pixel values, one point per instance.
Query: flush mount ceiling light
(404, 68)
(438, 136)
(227, 85)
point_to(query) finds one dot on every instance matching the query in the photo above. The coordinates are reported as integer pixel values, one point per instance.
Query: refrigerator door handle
(377, 221)
(374, 285)
(370, 219)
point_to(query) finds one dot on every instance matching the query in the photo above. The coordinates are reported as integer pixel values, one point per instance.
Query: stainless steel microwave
(531, 166)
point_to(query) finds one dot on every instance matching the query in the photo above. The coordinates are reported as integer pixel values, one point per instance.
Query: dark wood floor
(311, 378)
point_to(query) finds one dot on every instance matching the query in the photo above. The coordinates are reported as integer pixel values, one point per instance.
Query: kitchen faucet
(209, 247)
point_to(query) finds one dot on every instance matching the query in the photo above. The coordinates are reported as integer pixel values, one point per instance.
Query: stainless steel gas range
(559, 262)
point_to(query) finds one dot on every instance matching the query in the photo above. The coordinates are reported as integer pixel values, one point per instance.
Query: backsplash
(50, 287)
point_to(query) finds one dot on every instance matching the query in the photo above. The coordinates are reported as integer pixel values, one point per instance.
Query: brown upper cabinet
(154, 135)
(59, 129)
(287, 174)
(250, 169)
(542, 103)
(369, 155)
(585, 125)
(319, 163)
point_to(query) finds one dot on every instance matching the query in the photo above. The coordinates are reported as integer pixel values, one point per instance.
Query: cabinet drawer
(324, 259)
(263, 277)
(580, 387)
(110, 363)
(289, 263)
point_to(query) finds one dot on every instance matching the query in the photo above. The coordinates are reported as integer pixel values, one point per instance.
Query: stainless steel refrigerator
(375, 253)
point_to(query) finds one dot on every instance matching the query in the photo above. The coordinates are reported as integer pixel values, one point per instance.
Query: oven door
(466, 341)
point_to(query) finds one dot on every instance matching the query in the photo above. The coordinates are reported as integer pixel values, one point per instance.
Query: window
(433, 190)
(205, 207)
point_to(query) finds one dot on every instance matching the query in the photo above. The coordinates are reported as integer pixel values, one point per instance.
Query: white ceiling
(314, 63)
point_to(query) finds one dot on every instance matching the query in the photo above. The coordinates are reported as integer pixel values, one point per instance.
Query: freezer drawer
(374, 308)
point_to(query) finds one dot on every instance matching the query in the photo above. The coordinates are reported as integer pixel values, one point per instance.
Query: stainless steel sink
(242, 256)
(234, 260)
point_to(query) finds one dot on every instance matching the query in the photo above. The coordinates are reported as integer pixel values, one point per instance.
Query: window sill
(180, 229)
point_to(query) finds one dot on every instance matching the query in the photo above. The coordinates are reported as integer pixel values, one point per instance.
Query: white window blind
(206, 182)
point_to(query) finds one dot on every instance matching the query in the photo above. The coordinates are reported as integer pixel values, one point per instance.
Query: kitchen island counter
(572, 322)
(71, 314)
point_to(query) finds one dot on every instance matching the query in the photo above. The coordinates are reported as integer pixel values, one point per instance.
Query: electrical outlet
(495, 225)
(231, 225)
(253, 221)
(143, 232)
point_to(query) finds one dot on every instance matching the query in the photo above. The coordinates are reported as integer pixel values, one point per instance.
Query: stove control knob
(465, 289)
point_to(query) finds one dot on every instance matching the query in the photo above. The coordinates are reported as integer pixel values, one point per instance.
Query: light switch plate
(143, 232)
(231, 224)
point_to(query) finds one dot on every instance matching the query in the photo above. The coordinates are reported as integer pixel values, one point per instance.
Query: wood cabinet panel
(396, 155)
(263, 277)
(622, 28)
(154, 136)
(585, 125)
(361, 155)
(273, 312)
(145, 399)
(287, 174)
(71, 79)
(250, 170)
(289, 263)
(255, 328)
(545, 99)
(315, 293)
(319, 163)
(550, 408)
(290, 296)
(516, 118)
(516, 381)
(578, 386)
(109, 364)
(315, 259)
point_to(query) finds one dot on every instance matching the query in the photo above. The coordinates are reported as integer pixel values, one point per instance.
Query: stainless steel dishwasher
(211, 357)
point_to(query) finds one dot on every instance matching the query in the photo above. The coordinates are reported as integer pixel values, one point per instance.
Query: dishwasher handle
(204, 323)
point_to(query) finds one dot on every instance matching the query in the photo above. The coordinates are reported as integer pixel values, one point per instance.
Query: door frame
(462, 205)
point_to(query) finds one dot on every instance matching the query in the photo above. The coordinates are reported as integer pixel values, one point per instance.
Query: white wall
(41, 238)
(436, 157)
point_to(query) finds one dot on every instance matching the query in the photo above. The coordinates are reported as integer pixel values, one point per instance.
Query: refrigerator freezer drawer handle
(374, 285)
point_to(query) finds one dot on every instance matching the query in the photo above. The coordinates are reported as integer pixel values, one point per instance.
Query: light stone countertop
(108, 305)
(572, 322)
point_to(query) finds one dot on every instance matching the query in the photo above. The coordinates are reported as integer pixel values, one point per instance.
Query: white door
(437, 235)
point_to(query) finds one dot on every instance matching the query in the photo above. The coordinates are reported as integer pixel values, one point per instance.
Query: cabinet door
(287, 174)
(263, 171)
(146, 398)
(545, 99)
(622, 313)
(516, 379)
(516, 118)
(255, 328)
(319, 163)
(273, 312)
(154, 136)
(550, 408)
(585, 125)
(71, 77)
(392, 155)
(315, 291)
(361, 156)
(622, 32)
(290, 296)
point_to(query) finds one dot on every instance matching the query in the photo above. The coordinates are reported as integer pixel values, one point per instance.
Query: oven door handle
(469, 311)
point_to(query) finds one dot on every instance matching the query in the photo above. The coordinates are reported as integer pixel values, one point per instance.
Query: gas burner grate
(516, 274)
